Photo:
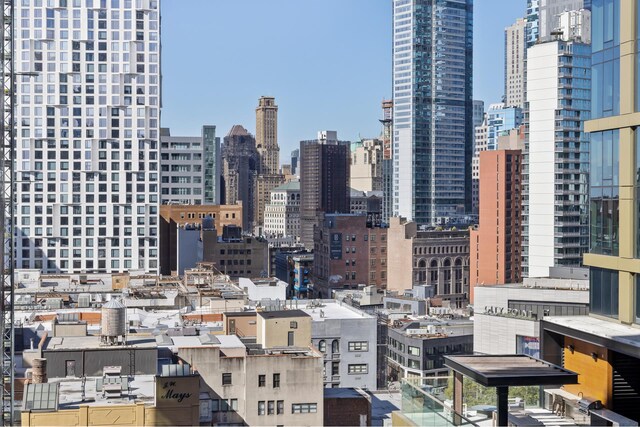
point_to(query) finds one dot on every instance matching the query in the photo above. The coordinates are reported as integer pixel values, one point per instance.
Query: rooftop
(610, 334)
(93, 342)
(281, 314)
(289, 186)
(331, 309)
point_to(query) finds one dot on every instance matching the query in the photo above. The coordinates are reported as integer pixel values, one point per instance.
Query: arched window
(335, 346)
(322, 346)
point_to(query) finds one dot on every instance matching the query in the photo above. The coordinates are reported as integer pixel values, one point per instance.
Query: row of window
(262, 380)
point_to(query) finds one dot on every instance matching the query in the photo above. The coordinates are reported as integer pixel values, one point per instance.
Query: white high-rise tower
(88, 121)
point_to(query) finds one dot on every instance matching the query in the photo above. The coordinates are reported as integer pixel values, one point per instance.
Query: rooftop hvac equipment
(84, 300)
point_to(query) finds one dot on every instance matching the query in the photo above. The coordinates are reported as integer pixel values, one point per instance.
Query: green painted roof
(291, 186)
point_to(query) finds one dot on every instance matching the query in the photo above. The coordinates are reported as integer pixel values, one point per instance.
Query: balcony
(429, 402)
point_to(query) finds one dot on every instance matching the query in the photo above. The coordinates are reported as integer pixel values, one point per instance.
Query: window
(414, 351)
(270, 407)
(335, 368)
(361, 368)
(322, 346)
(358, 346)
(261, 407)
(335, 346)
(280, 409)
(276, 380)
(226, 378)
(262, 379)
(603, 188)
(304, 408)
(603, 292)
(293, 324)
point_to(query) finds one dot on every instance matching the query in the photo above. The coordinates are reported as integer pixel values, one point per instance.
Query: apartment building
(87, 155)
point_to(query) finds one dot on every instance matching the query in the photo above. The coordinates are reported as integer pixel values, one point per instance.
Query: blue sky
(327, 62)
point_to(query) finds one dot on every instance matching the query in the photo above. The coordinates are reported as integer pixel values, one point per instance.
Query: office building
(87, 117)
(240, 167)
(507, 316)
(180, 232)
(366, 165)
(416, 346)
(432, 123)
(480, 142)
(264, 185)
(348, 251)
(346, 337)
(495, 245)
(367, 203)
(604, 348)
(515, 52)
(267, 135)
(295, 266)
(282, 214)
(435, 257)
(295, 161)
(269, 176)
(478, 112)
(532, 29)
(500, 120)
(556, 224)
(387, 160)
(324, 181)
(575, 25)
(235, 254)
(264, 384)
(549, 15)
(190, 168)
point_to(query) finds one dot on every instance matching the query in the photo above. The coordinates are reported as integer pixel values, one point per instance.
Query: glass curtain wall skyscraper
(433, 108)
(88, 111)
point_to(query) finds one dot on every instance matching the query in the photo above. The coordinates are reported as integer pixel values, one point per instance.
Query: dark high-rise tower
(324, 181)
(432, 108)
(240, 163)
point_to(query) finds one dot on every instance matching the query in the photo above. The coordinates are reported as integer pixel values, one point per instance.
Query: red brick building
(349, 250)
(495, 253)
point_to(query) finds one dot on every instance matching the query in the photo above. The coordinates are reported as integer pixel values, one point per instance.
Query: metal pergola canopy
(510, 370)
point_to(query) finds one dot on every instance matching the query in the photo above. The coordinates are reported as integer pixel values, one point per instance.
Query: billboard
(335, 246)
(528, 345)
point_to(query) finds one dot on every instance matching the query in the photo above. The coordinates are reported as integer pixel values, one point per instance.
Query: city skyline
(304, 108)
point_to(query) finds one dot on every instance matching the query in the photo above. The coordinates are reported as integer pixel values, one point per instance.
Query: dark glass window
(604, 203)
(605, 33)
(603, 292)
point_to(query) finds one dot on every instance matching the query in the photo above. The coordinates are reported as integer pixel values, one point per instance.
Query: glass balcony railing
(428, 401)
(424, 403)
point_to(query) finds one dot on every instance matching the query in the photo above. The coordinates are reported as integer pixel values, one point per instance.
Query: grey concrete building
(347, 338)
(190, 168)
(416, 347)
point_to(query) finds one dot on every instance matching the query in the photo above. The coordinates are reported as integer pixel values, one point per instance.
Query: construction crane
(6, 214)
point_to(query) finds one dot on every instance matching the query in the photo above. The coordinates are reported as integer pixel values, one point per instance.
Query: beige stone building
(264, 185)
(269, 176)
(269, 383)
(286, 328)
(267, 135)
(434, 257)
(366, 165)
